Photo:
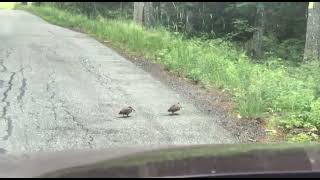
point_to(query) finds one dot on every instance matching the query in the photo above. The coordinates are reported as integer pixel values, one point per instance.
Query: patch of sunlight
(7, 5)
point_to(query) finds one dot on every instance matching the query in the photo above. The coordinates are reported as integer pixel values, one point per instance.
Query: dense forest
(266, 54)
(277, 28)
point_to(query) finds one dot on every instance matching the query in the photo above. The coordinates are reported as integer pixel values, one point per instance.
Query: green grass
(288, 94)
(7, 5)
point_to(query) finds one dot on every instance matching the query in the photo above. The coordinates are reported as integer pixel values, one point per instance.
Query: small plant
(302, 137)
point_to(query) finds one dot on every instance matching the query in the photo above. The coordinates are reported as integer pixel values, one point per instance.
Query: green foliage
(241, 30)
(314, 115)
(302, 138)
(7, 5)
(290, 50)
(232, 20)
(272, 88)
(112, 10)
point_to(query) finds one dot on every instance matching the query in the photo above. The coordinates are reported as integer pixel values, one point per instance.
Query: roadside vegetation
(275, 88)
(7, 5)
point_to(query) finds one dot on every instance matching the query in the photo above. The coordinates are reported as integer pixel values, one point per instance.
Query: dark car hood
(164, 161)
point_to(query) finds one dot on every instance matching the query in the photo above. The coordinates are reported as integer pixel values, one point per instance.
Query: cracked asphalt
(62, 90)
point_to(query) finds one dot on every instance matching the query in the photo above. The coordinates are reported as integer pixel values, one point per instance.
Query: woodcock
(126, 111)
(174, 108)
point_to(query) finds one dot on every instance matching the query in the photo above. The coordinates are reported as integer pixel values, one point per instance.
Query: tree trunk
(95, 10)
(148, 12)
(189, 21)
(143, 13)
(258, 34)
(157, 11)
(121, 9)
(312, 45)
(138, 12)
(164, 17)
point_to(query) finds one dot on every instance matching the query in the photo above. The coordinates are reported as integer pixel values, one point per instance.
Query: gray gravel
(63, 90)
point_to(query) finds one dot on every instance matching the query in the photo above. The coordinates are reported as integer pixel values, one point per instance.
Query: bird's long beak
(133, 110)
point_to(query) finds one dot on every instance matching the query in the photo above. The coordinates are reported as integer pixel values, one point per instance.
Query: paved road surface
(61, 90)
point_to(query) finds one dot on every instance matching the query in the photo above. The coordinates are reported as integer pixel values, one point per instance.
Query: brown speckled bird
(126, 111)
(174, 108)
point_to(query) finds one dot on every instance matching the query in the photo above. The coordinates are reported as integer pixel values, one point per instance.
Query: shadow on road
(174, 114)
(2, 151)
(123, 117)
